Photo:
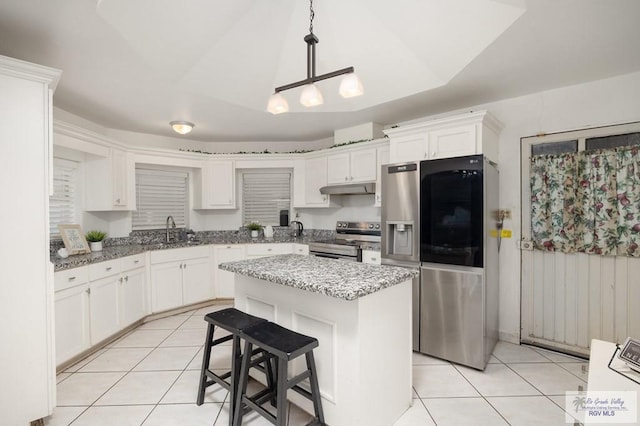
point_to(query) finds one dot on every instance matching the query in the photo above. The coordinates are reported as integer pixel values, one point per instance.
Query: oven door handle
(334, 256)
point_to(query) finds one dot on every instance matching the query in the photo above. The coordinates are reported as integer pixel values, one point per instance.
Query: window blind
(264, 195)
(63, 202)
(159, 194)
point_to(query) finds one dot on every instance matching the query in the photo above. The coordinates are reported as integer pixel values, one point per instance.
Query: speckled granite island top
(335, 278)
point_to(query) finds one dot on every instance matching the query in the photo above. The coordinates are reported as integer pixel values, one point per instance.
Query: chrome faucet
(173, 225)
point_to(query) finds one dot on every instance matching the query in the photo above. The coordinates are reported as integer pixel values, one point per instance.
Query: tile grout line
(480, 393)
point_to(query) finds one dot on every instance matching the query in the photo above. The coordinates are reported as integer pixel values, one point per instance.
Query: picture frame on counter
(73, 238)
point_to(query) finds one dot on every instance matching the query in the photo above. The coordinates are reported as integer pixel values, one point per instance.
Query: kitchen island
(361, 316)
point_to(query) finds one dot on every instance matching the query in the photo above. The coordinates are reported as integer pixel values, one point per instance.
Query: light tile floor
(150, 377)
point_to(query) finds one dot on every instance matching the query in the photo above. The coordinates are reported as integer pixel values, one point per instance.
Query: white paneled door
(569, 299)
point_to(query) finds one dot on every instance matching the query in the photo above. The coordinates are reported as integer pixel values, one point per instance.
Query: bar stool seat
(282, 345)
(233, 321)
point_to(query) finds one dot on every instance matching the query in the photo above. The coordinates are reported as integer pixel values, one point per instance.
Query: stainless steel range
(347, 245)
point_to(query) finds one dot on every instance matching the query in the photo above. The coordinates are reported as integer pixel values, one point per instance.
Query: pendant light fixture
(350, 86)
(182, 127)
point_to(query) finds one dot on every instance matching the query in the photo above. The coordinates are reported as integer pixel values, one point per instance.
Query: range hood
(349, 189)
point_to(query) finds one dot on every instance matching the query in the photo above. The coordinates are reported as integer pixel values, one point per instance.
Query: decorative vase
(254, 233)
(95, 245)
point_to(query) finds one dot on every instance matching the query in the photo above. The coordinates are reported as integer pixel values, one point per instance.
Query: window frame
(157, 171)
(288, 201)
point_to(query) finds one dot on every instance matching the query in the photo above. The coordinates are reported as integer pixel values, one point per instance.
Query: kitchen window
(264, 195)
(63, 204)
(159, 194)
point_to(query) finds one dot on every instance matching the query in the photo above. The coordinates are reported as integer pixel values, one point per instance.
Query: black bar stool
(283, 345)
(233, 321)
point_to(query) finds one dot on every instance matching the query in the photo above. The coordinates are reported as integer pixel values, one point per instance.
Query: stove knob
(371, 226)
(377, 226)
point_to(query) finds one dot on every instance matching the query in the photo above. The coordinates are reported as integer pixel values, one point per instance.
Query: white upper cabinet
(352, 167)
(309, 175)
(466, 134)
(215, 185)
(110, 182)
(316, 178)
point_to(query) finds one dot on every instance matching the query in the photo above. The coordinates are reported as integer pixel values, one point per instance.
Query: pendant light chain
(312, 15)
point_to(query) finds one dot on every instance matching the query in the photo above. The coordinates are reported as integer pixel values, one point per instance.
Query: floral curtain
(553, 201)
(587, 202)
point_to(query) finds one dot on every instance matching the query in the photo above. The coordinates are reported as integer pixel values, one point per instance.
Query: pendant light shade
(351, 86)
(277, 104)
(311, 96)
(182, 127)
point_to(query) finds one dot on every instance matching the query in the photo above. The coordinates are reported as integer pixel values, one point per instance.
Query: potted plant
(95, 239)
(255, 228)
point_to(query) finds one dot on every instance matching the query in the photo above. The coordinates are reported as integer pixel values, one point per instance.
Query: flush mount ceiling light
(182, 127)
(350, 86)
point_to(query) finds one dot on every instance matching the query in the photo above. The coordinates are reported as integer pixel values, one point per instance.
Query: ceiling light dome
(182, 127)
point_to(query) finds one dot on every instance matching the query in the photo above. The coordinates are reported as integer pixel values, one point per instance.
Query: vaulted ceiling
(136, 65)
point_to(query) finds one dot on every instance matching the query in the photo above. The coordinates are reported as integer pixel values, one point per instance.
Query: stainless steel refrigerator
(440, 215)
(400, 244)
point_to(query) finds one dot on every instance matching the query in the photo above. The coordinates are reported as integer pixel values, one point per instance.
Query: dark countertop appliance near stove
(347, 245)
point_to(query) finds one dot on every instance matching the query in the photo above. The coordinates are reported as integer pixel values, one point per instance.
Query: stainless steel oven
(348, 241)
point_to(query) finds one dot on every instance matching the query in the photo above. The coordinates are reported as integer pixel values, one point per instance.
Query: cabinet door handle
(346, 178)
(269, 249)
(121, 279)
(136, 261)
(109, 268)
(118, 201)
(126, 278)
(71, 278)
(88, 291)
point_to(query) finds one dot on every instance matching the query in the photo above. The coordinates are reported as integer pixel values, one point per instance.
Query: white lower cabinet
(166, 282)
(72, 322)
(224, 280)
(196, 280)
(95, 302)
(104, 299)
(180, 277)
(133, 296)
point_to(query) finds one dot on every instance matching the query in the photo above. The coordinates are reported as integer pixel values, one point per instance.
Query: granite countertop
(336, 278)
(114, 252)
